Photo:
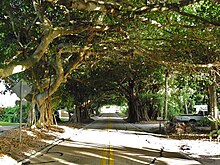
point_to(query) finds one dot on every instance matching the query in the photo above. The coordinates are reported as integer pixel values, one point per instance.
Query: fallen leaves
(10, 145)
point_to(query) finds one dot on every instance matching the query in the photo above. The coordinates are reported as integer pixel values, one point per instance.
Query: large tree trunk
(42, 99)
(46, 114)
(81, 113)
(84, 114)
(78, 114)
(32, 118)
(45, 117)
(144, 112)
(136, 110)
(213, 104)
(133, 113)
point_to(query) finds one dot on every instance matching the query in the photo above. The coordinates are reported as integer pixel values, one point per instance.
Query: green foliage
(124, 111)
(172, 112)
(185, 92)
(214, 133)
(206, 9)
(12, 114)
(213, 120)
(205, 122)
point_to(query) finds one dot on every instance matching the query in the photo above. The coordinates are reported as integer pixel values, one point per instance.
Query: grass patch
(64, 119)
(7, 123)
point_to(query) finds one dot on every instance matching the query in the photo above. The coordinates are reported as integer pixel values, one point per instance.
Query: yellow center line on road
(104, 156)
(108, 152)
(111, 155)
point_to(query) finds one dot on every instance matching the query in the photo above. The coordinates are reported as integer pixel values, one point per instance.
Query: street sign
(22, 89)
(26, 89)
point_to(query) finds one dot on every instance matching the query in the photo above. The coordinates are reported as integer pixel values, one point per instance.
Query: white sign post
(21, 89)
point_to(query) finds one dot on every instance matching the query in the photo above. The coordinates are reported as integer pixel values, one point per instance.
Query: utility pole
(166, 95)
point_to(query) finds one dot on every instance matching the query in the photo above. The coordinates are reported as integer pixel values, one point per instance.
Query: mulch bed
(10, 145)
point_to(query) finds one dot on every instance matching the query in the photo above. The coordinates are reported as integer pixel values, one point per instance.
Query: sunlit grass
(7, 123)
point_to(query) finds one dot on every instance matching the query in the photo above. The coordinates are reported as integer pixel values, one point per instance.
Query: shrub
(124, 111)
(12, 114)
(214, 133)
(205, 122)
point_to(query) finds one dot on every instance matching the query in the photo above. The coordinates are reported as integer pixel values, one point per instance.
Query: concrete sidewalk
(5, 128)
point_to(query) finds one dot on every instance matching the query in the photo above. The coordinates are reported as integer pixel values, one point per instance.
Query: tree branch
(163, 6)
(40, 50)
(56, 83)
(89, 5)
(13, 27)
(160, 61)
(43, 19)
(199, 18)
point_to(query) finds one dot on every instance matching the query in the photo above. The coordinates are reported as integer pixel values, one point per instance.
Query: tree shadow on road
(84, 153)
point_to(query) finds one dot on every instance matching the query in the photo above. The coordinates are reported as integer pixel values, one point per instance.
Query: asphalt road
(108, 141)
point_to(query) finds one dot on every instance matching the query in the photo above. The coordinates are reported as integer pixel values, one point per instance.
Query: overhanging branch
(46, 40)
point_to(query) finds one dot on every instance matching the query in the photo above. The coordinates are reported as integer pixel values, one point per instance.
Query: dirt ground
(32, 140)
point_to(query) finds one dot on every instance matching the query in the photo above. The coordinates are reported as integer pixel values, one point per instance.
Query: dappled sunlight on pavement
(110, 141)
(78, 152)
